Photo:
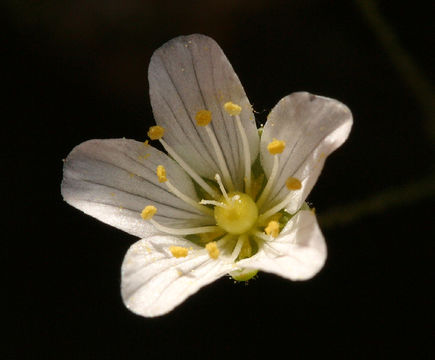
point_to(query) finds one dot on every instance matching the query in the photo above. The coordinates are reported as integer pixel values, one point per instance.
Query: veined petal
(154, 281)
(312, 128)
(298, 253)
(113, 180)
(189, 74)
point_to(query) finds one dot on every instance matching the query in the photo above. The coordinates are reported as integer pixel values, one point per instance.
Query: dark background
(77, 70)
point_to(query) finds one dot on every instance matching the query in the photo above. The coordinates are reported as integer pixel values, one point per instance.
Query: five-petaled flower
(229, 199)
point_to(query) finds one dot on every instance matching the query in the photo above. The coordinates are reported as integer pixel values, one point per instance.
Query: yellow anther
(156, 132)
(161, 173)
(203, 117)
(212, 249)
(148, 212)
(178, 251)
(146, 143)
(272, 228)
(232, 109)
(276, 146)
(293, 184)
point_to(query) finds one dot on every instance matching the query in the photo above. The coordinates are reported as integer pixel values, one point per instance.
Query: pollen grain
(203, 117)
(161, 173)
(212, 249)
(148, 212)
(276, 146)
(293, 184)
(178, 251)
(156, 132)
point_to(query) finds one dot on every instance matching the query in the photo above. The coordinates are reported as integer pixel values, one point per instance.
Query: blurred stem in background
(423, 92)
(393, 197)
(407, 68)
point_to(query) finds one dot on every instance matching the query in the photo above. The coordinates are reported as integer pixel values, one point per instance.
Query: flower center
(237, 214)
(243, 219)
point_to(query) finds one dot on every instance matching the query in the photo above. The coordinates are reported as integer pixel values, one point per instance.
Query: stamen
(188, 200)
(291, 184)
(148, 212)
(183, 231)
(213, 250)
(189, 170)
(156, 132)
(234, 110)
(269, 183)
(214, 203)
(161, 174)
(220, 158)
(272, 228)
(276, 146)
(242, 238)
(178, 251)
(221, 186)
(203, 117)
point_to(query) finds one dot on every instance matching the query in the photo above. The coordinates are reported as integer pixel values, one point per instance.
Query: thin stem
(221, 186)
(189, 170)
(187, 199)
(220, 158)
(276, 208)
(238, 247)
(183, 231)
(246, 153)
(270, 182)
(405, 64)
(214, 203)
(421, 190)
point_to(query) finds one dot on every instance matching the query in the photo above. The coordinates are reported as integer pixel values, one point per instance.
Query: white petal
(191, 73)
(298, 253)
(154, 281)
(312, 127)
(113, 180)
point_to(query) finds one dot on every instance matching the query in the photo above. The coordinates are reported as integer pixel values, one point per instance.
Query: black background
(77, 71)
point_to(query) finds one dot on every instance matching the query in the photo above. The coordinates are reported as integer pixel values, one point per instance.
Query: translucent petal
(113, 180)
(154, 281)
(298, 253)
(312, 128)
(191, 73)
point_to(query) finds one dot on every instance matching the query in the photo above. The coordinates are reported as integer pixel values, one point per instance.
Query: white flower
(225, 200)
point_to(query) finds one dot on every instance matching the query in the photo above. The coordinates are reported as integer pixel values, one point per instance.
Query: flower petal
(191, 73)
(113, 180)
(154, 281)
(312, 128)
(298, 253)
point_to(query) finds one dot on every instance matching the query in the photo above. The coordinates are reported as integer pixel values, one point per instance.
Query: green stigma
(238, 214)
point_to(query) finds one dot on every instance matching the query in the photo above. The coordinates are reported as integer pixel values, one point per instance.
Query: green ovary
(238, 214)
